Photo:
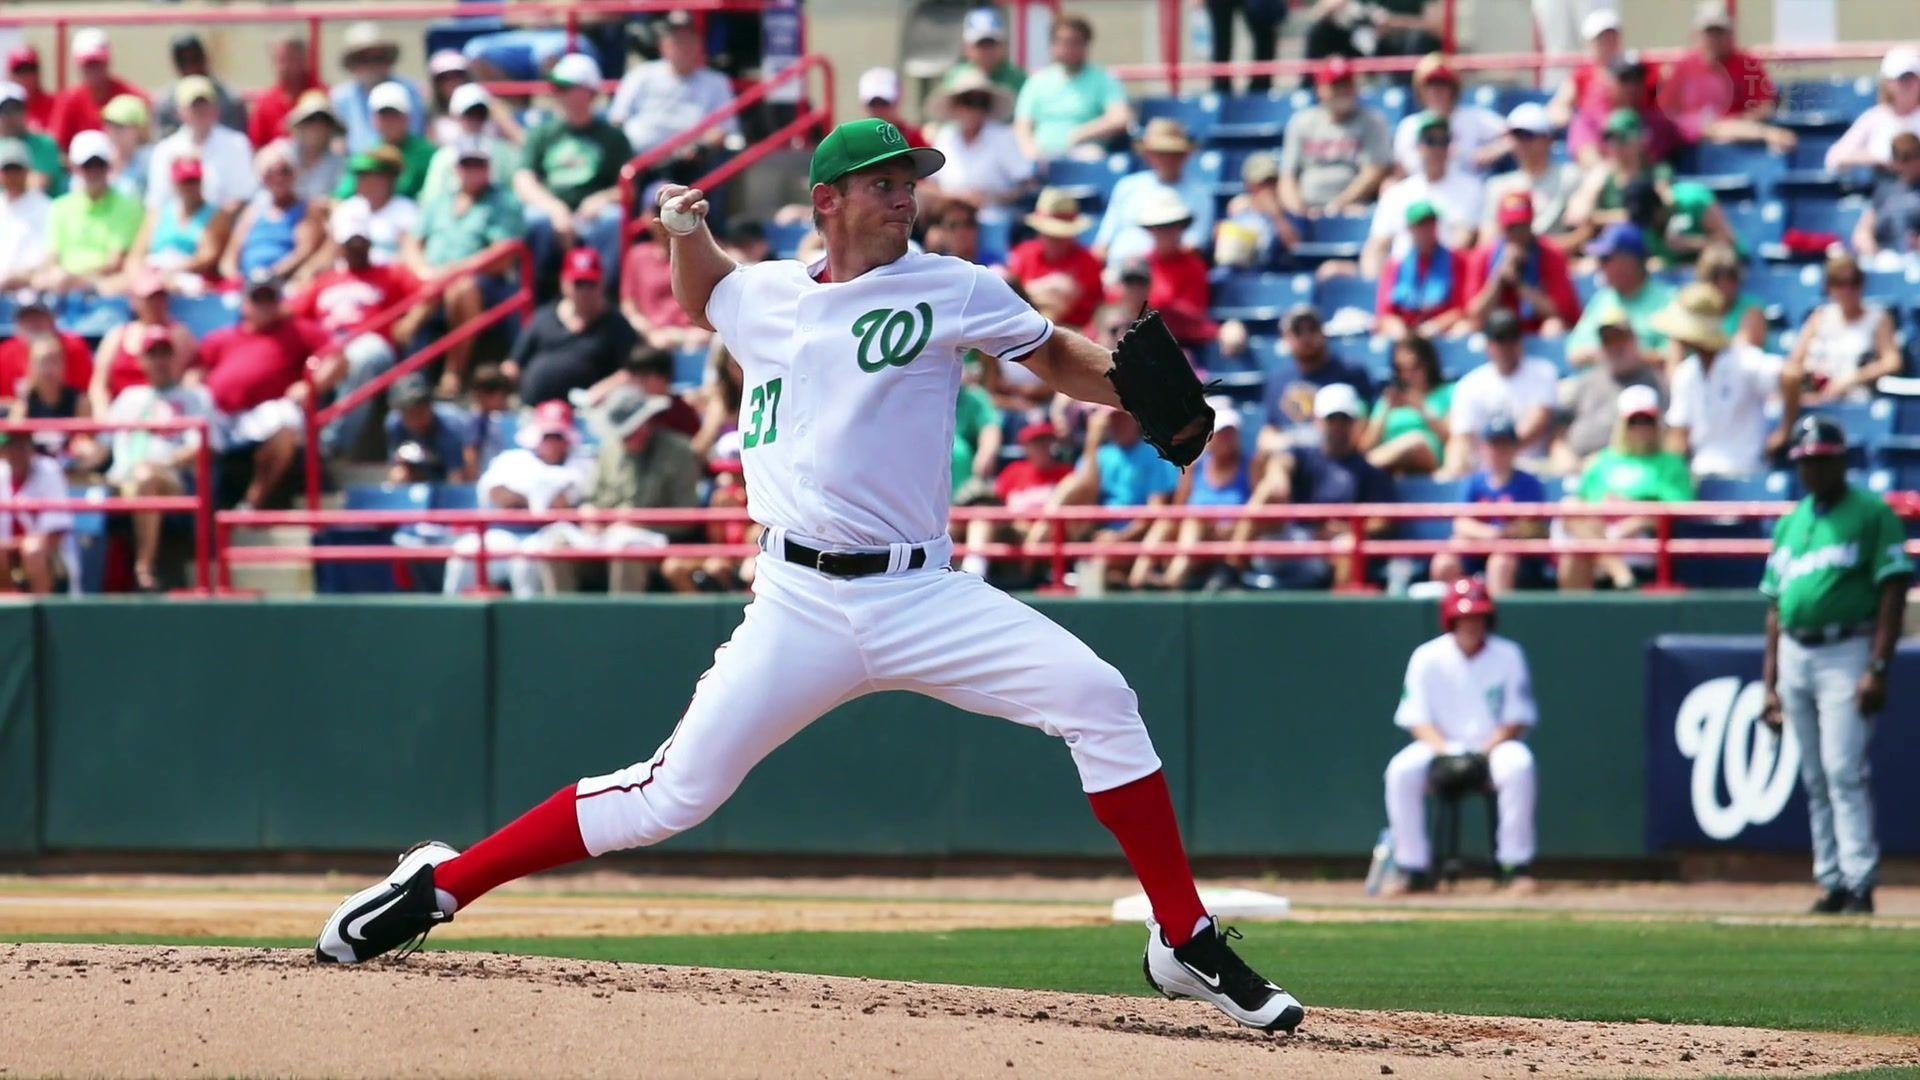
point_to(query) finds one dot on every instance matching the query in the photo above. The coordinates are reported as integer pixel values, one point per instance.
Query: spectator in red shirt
(1061, 277)
(1628, 82)
(1717, 93)
(646, 299)
(292, 77)
(880, 93)
(1025, 486)
(117, 365)
(1521, 272)
(342, 299)
(23, 68)
(1588, 91)
(33, 322)
(1422, 291)
(77, 108)
(253, 371)
(1177, 286)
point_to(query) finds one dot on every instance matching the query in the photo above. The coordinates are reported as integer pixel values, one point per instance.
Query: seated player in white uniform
(852, 366)
(1467, 692)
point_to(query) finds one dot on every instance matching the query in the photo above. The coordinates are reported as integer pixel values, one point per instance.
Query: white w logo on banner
(1718, 728)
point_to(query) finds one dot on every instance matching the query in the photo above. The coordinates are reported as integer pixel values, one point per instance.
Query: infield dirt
(95, 1010)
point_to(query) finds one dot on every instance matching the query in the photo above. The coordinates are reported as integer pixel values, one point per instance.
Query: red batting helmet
(1467, 596)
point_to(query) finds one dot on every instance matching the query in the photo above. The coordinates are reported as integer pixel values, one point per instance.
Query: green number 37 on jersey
(762, 415)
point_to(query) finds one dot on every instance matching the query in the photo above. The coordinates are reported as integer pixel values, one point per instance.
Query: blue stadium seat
(1776, 486)
(689, 366)
(202, 315)
(1089, 181)
(996, 236)
(1733, 169)
(1460, 355)
(1335, 293)
(456, 497)
(1198, 113)
(1826, 216)
(1869, 426)
(1730, 573)
(1392, 102)
(1375, 354)
(1337, 237)
(1757, 223)
(1423, 489)
(389, 497)
(1788, 292)
(1504, 99)
(90, 541)
(785, 239)
(1823, 103)
(1261, 118)
(366, 577)
(1258, 297)
(1897, 289)
(1553, 350)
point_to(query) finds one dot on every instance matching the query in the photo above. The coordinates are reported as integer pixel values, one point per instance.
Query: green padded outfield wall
(365, 725)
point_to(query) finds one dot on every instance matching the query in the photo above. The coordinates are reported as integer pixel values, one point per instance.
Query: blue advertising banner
(1718, 777)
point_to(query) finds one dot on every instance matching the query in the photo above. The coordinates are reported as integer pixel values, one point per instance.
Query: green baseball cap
(1422, 211)
(862, 144)
(1427, 121)
(1625, 122)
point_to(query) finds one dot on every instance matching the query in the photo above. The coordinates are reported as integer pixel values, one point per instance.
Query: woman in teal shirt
(1633, 470)
(1407, 432)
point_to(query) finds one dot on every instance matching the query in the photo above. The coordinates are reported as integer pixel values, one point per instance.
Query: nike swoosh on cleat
(1211, 982)
(353, 928)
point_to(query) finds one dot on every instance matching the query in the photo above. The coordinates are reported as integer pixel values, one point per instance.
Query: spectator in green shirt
(1721, 267)
(1070, 107)
(471, 109)
(984, 48)
(1634, 470)
(459, 224)
(43, 154)
(569, 178)
(977, 439)
(1407, 431)
(1622, 253)
(91, 229)
(393, 124)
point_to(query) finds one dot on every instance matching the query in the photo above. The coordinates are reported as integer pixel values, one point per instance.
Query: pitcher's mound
(155, 1011)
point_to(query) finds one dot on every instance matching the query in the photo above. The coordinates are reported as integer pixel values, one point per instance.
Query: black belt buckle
(840, 564)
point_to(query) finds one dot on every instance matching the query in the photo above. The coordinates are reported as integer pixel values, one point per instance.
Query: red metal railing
(383, 320)
(817, 114)
(568, 13)
(199, 504)
(1059, 551)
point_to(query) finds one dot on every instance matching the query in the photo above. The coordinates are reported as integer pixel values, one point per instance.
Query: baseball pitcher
(851, 367)
(1837, 579)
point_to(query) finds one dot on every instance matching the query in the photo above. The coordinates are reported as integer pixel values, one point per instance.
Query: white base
(1221, 903)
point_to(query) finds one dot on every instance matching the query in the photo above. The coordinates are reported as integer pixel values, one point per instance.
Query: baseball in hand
(675, 218)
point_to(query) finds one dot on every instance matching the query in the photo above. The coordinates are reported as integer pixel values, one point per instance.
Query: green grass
(1844, 979)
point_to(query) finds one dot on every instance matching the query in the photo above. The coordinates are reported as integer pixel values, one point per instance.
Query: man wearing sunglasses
(1890, 227)
(1456, 196)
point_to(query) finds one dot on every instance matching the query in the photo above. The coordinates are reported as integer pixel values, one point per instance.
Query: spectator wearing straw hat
(369, 56)
(24, 211)
(643, 465)
(153, 464)
(277, 232)
(1071, 106)
(1455, 195)
(23, 67)
(90, 229)
(77, 108)
(1479, 133)
(190, 62)
(569, 178)
(393, 128)
(293, 79)
(32, 541)
(537, 474)
(574, 342)
(473, 112)
(1061, 277)
(1717, 415)
(1168, 151)
(44, 157)
(1177, 287)
(1549, 184)
(391, 216)
(1335, 153)
(225, 156)
(317, 165)
(662, 98)
(983, 49)
(985, 165)
(254, 372)
(1719, 93)
(1522, 272)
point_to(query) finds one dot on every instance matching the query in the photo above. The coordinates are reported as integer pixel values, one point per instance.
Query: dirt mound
(161, 1011)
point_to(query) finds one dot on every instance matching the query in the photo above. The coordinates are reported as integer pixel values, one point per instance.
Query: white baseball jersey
(848, 416)
(1466, 698)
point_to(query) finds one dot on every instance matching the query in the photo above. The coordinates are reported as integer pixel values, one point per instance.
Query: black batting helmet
(1817, 436)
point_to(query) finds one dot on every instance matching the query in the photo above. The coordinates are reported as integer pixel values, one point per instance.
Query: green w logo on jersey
(894, 333)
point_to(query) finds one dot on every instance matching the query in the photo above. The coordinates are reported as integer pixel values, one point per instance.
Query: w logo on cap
(891, 135)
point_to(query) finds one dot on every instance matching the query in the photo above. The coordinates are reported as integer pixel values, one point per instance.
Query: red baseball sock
(540, 839)
(1140, 815)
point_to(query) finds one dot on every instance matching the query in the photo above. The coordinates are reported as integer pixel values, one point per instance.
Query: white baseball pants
(1818, 693)
(810, 642)
(1515, 788)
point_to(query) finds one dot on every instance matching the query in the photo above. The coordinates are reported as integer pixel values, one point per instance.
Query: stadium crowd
(1404, 292)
